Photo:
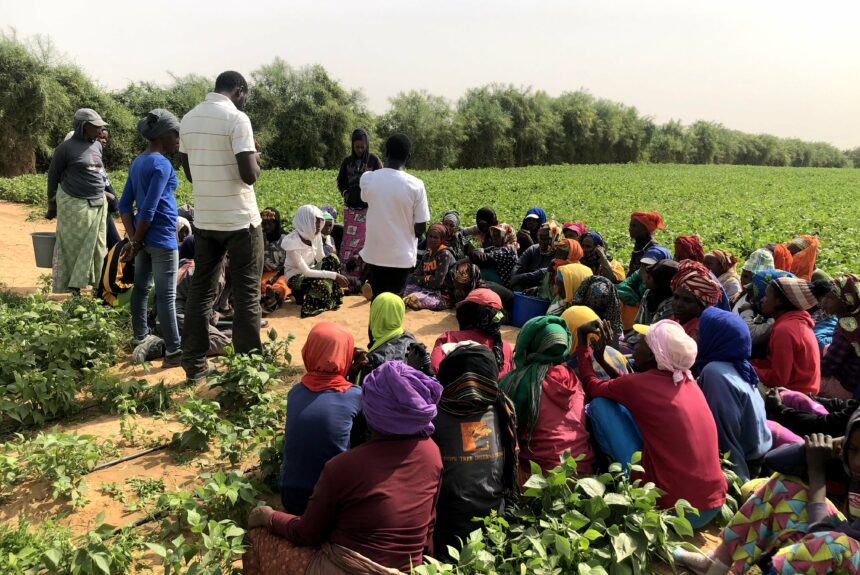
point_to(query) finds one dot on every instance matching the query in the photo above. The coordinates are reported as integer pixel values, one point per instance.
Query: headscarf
(599, 294)
(697, 279)
(305, 221)
(578, 227)
(399, 400)
(452, 216)
(482, 310)
(470, 385)
(386, 318)
(541, 218)
(327, 355)
(782, 258)
(487, 215)
(762, 279)
(576, 316)
(724, 336)
(759, 260)
(554, 234)
(651, 220)
(462, 279)
(274, 215)
(443, 233)
(360, 134)
(803, 262)
(728, 262)
(673, 349)
(182, 224)
(330, 210)
(689, 248)
(592, 260)
(542, 342)
(847, 289)
(574, 251)
(157, 123)
(572, 276)
(509, 236)
(797, 291)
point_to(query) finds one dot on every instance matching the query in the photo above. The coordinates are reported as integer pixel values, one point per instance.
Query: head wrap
(697, 279)
(662, 273)
(576, 316)
(482, 310)
(673, 349)
(452, 216)
(759, 260)
(803, 262)
(762, 279)
(651, 220)
(271, 214)
(440, 229)
(797, 291)
(542, 342)
(847, 289)
(509, 236)
(487, 215)
(327, 355)
(596, 238)
(157, 123)
(330, 210)
(462, 278)
(305, 221)
(725, 259)
(400, 400)
(572, 276)
(182, 224)
(578, 227)
(689, 248)
(484, 296)
(724, 336)
(573, 248)
(386, 318)
(592, 259)
(554, 230)
(599, 294)
(782, 258)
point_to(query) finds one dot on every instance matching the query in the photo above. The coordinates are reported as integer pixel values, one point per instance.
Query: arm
(775, 371)
(314, 526)
(296, 261)
(420, 213)
(526, 271)
(126, 209)
(805, 423)
(420, 229)
(186, 167)
(249, 170)
(596, 387)
(342, 181)
(245, 149)
(819, 450)
(55, 174)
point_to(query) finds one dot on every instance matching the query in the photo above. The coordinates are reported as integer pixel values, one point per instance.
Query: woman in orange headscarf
(804, 250)
(567, 252)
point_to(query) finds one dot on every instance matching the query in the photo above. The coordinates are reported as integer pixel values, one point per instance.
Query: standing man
(219, 158)
(78, 204)
(397, 216)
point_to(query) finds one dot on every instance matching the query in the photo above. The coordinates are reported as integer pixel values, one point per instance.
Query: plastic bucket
(43, 248)
(527, 307)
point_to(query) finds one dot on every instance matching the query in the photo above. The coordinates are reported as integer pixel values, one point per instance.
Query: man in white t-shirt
(219, 157)
(397, 215)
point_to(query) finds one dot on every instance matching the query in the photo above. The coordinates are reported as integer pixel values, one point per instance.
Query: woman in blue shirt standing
(150, 187)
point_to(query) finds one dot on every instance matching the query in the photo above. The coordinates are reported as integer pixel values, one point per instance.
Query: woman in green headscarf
(548, 397)
(390, 341)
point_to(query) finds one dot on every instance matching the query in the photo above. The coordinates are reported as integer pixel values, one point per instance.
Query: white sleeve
(243, 135)
(363, 183)
(297, 262)
(421, 211)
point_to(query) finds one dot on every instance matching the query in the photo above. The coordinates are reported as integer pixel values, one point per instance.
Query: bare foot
(696, 562)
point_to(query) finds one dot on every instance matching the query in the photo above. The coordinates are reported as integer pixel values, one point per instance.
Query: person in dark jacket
(535, 261)
(390, 341)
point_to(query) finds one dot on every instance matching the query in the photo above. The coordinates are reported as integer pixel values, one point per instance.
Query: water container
(43, 248)
(527, 307)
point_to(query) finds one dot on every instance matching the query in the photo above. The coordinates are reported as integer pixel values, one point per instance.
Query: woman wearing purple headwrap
(373, 509)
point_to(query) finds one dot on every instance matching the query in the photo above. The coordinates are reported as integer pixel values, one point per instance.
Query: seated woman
(463, 278)
(528, 234)
(693, 290)
(680, 453)
(840, 366)
(390, 341)
(549, 400)
(456, 241)
(534, 263)
(476, 435)
(600, 262)
(759, 261)
(568, 279)
(574, 230)
(311, 275)
(322, 406)
(273, 285)
(332, 234)
(497, 261)
(566, 252)
(480, 319)
(722, 264)
(730, 385)
(579, 315)
(598, 293)
(657, 302)
(793, 360)
(325, 232)
(792, 523)
(689, 248)
(423, 290)
(484, 220)
(749, 308)
(373, 509)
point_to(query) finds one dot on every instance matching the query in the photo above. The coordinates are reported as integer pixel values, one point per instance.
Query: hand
(819, 450)
(586, 329)
(52, 211)
(257, 146)
(359, 362)
(342, 280)
(110, 197)
(417, 357)
(260, 517)
(773, 400)
(128, 253)
(599, 345)
(601, 253)
(838, 444)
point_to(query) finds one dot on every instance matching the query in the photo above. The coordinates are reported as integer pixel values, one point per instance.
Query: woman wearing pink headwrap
(678, 440)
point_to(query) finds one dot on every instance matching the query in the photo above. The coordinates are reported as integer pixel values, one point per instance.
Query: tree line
(303, 119)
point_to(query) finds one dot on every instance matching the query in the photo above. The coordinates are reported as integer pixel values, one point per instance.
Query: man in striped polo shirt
(219, 157)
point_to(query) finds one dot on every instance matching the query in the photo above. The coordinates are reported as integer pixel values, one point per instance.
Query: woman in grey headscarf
(153, 243)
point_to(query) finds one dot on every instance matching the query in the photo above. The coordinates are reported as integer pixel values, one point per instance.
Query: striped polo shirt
(211, 135)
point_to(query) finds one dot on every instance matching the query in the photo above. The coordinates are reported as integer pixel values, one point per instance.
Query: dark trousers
(384, 279)
(245, 250)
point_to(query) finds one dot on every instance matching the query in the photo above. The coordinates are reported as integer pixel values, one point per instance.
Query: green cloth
(542, 342)
(631, 290)
(81, 242)
(386, 318)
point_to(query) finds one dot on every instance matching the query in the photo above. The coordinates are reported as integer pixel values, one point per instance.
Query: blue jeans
(157, 264)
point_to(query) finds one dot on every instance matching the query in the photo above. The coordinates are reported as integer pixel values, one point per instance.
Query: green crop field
(740, 208)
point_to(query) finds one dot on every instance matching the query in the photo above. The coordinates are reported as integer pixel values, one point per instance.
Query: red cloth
(782, 258)
(697, 279)
(437, 355)
(691, 328)
(651, 220)
(680, 453)
(793, 357)
(327, 354)
(689, 248)
(484, 296)
(561, 423)
(378, 499)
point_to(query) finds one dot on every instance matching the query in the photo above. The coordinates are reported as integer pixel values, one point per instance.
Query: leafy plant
(220, 543)
(201, 417)
(147, 490)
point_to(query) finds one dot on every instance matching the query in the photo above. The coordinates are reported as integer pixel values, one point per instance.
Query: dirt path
(18, 269)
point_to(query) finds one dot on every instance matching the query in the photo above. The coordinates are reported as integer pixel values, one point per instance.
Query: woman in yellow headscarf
(578, 315)
(390, 341)
(568, 279)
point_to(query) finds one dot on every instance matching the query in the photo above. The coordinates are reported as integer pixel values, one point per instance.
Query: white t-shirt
(211, 135)
(396, 202)
(301, 256)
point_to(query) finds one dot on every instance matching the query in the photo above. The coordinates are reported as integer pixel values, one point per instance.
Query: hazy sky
(788, 68)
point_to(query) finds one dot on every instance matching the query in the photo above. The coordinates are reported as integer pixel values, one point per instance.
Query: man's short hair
(229, 81)
(398, 147)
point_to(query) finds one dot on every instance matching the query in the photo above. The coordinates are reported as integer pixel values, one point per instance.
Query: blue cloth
(724, 336)
(158, 265)
(614, 429)
(539, 213)
(739, 413)
(598, 239)
(150, 186)
(318, 427)
(824, 331)
(657, 252)
(760, 281)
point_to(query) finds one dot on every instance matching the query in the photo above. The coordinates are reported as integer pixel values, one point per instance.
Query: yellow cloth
(576, 316)
(618, 270)
(386, 318)
(572, 275)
